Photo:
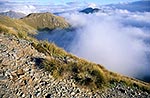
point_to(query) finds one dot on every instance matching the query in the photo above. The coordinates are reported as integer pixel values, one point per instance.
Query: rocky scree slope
(21, 75)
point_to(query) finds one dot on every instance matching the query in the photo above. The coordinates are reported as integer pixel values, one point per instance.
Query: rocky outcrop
(21, 76)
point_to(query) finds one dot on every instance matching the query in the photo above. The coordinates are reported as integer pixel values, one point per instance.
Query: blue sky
(65, 1)
(28, 6)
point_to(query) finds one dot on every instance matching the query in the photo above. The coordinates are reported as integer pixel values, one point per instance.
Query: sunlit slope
(16, 25)
(45, 21)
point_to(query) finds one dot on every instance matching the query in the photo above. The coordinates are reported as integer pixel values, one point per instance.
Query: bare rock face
(20, 76)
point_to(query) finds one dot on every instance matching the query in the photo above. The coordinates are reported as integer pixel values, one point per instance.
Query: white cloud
(25, 9)
(17, 6)
(32, 6)
(107, 40)
(92, 5)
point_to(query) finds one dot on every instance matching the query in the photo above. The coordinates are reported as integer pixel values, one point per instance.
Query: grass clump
(128, 81)
(10, 31)
(3, 28)
(87, 74)
(7, 30)
(53, 66)
(49, 49)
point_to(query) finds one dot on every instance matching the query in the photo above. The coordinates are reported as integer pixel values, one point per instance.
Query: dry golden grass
(86, 74)
(45, 21)
(7, 30)
(17, 25)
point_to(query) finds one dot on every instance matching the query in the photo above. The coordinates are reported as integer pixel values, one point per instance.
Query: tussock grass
(86, 74)
(7, 30)
(52, 65)
(10, 31)
(131, 82)
(49, 49)
(17, 25)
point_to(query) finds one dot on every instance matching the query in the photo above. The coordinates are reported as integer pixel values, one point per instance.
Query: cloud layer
(25, 8)
(116, 40)
(28, 7)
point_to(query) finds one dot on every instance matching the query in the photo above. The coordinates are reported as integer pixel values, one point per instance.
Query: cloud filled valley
(119, 40)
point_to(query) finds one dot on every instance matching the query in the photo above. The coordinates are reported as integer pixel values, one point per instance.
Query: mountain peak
(90, 10)
(45, 21)
(38, 14)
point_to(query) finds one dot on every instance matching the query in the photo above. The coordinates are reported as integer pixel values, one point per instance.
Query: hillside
(16, 25)
(32, 68)
(45, 21)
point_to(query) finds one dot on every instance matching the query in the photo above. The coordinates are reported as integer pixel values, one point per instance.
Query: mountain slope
(45, 21)
(32, 68)
(16, 25)
(13, 14)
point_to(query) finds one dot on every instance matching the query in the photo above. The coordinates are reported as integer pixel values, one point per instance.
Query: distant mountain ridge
(13, 14)
(138, 6)
(90, 10)
(33, 22)
(45, 21)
